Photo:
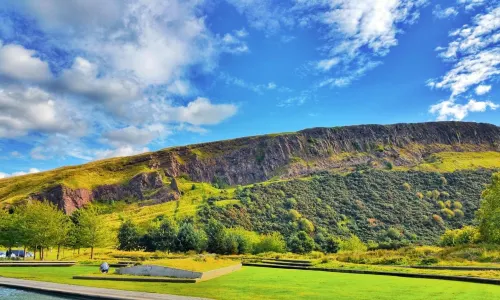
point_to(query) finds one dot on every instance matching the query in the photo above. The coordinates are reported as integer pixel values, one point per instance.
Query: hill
(158, 178)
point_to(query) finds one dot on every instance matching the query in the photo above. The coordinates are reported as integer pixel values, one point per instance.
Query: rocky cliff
(255, 159)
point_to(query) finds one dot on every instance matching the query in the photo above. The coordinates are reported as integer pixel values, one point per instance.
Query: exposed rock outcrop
(69, 200)
(254, 159)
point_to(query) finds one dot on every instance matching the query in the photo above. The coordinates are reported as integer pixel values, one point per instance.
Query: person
(104, 267)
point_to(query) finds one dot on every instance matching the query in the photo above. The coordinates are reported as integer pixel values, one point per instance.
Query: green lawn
(261, 283)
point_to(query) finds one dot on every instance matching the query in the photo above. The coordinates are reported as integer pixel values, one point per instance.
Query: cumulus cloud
(19, 173)
(200, 112)
(474, 59)
(120, 151)
(33, 109)
(19, 63)
(444, 13)
(449, 110)
(483, 89)
(132, 135)
(83, 79)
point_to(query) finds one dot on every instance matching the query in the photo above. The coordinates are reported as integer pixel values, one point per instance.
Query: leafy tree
(216, 234)
(164, 236)
(40, 223)
(129, 236)
(332, 245)
(294, 215)
(91, 229)
(273, 242)
(10, 230)
(489, 212)
(301, 243)
(189, 238)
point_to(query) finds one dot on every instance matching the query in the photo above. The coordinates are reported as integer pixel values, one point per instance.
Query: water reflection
(12, 294)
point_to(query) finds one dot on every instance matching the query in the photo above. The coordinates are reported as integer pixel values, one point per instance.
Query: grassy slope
(186, 206)
(109, 171)
(261, 283)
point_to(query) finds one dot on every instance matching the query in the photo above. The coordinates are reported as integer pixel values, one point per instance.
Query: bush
(306, 225)
(301, 243)
(457, 205)
(464, 236)
(407, 186)
(332, 245)
(448, 213)
(352, 243)
(294, 215)
(273, 242)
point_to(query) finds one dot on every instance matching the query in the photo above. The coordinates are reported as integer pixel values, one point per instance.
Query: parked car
(3, 254)
(15, 253)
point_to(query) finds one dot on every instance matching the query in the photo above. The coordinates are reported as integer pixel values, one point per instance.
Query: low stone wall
(151, 270)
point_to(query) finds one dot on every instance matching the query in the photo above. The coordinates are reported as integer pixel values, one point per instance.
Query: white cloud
(83, 79)
(118, 152)
(33, 109)
(200, 112)
(234, 43)
(444, 13)
(449, 110)
(471, 4)
(19, 173)
(473, 54)
(483, 89)
(19, 63)
(356, 33)
(264, 15)
(257, 88)
(327, 64)
(131, 135)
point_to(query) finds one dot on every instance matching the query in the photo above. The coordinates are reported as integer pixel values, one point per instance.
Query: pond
(13, 294)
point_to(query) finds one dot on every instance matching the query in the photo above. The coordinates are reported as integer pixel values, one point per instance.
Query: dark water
(13, 294)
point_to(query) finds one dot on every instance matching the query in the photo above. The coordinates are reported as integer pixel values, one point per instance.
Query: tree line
(38, 226)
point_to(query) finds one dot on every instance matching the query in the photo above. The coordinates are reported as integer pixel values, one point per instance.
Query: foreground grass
(262, 283)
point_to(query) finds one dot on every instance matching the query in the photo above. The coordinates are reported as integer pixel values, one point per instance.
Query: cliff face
(254, 159)
(69, 200)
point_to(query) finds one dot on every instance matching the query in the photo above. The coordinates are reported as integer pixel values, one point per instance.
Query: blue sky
(86, 80)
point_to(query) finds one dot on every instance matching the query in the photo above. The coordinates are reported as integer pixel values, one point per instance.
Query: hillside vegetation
(442, 146)
(382, 206)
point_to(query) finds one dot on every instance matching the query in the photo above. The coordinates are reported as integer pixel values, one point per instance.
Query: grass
(185, 206)
(453, 161)
(91, 175)
(261, 283)
(193, 264)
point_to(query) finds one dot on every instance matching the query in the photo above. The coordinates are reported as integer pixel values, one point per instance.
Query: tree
(216, 234)
(332, 245)
(10, 231)
(129, 236)
(301, 243)
(488, 214)
(91, 229)
(163, 236)
(273, 242)
(190, 238)
(40, 223)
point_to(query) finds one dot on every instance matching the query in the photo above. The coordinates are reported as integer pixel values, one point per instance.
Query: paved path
(86, 292)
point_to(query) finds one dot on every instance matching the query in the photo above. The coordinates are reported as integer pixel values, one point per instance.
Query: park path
(84, 291)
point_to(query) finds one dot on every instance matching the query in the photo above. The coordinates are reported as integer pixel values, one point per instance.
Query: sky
(84, 80)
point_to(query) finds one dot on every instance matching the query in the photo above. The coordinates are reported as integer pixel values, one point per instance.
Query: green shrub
(273, 242)
(306, 225)
(407, 186)
(301, 243)
(353, 243)
(457, 205)
(448, 213)
(294, 215)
